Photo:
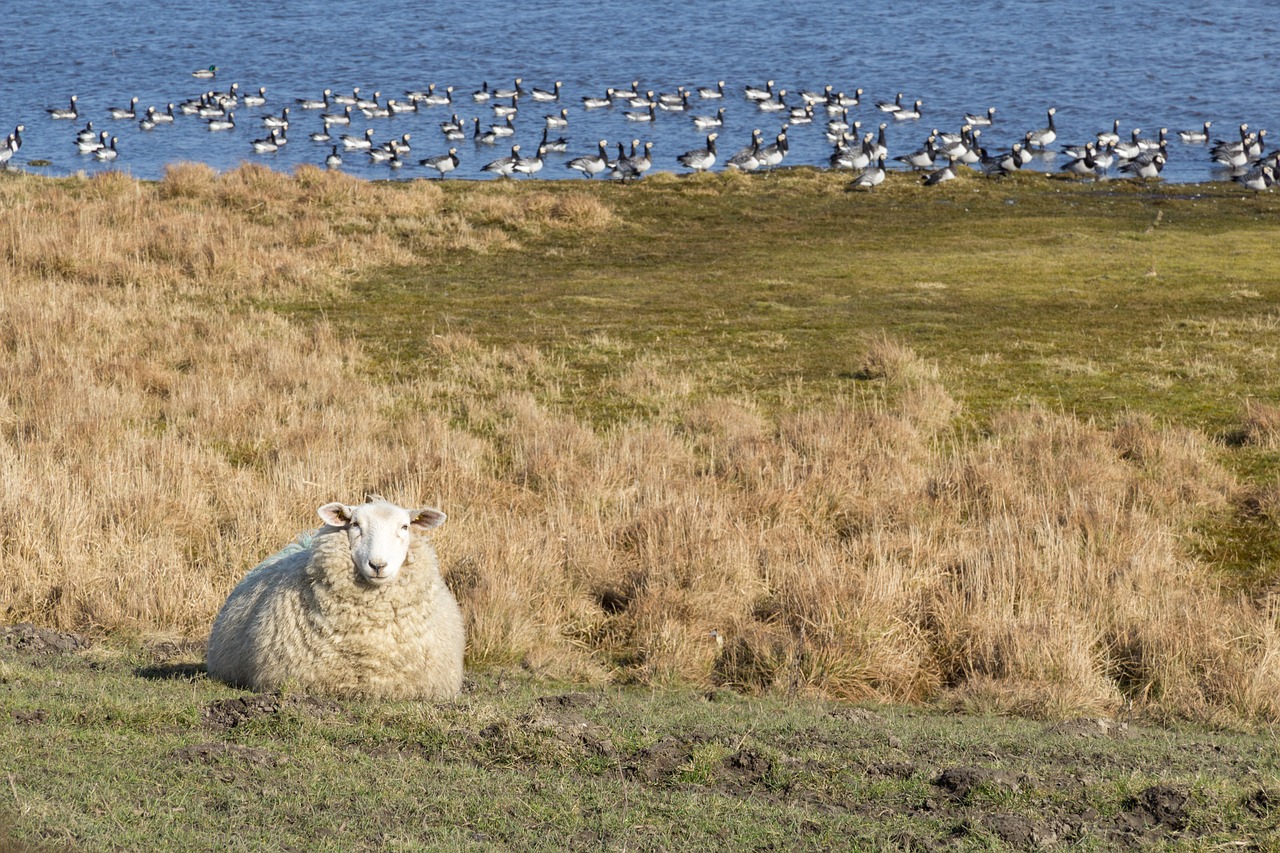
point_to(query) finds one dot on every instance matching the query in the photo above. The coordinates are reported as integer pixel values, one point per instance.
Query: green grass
(110, 749)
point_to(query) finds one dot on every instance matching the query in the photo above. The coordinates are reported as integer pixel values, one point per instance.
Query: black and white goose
(255, 99)
(530, 165)
(347, 100)
(108, 152)
(593, 103)
(503, 166)
(334, 160)
(871, 177)
(321, 135)
(442, 163)
(1045, 136)
(87, 132)
(980, 120)
(842, 101)
(268, 144)
(1084, 165)
(505, 110)
(482, 94)
(890, 106)
(638, 115)
(1112, 136)
(342, 118)
(358, 143)
(557, 121)
(629, 93)
(12, 143)
(774, 104)
(93, 143)
(755, 93)
(1131, 147)
(400, 107)
(512, 92)
(857, 156)
(166, 117)
(1194, 137)
(700, 159)
(72, 111)
(1259, 178)
(908, 113)
(747, 159)
(635, 165)
(559, 145)
(882, 146)
(704, 122)
(1005, 163)
(507, 128)
(438, 99)
(147, 122)
(1146, 165)
(313, 104)
(812, 98)
(369, 103)
(590, 165)
(226, 122)
(281, 121)
(925, 157)
(709, 92)
(773, 154)
(130, 111)
(946, 173)
(679, 105)
(546, 95)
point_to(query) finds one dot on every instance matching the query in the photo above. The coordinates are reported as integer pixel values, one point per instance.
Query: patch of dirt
(1018, 831)
(960, 782)
(218, 753)
(29, 718)
(658, 762)
(1090, 727)
(26, 638)
(570, 700)
(226, 714)
(571, 729)
(747, 768)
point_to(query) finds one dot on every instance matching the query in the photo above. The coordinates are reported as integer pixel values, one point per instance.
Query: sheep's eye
(405, 527)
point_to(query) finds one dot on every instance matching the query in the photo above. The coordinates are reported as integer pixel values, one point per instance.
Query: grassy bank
(1007, 445)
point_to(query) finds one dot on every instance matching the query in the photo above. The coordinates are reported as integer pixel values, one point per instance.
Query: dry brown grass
(159, 437)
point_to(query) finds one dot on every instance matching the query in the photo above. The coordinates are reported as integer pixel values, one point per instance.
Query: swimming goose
(981, 120)
(442, 163)
(813, 98)
(482, 94)
(530, 165)
(890, 106)
(380, 111)
(561, 120)
(1258, 178)
(347, 100)
(88, 146)
(1146, 165)
(841, 100)
(839, 125)
(368, 103)
(774, 104)
(672, 98)
(205, 73)
(647, 115)
(589, 165)
(281, 121)
(334, 160)
(147, 122)
(503, 166)
(399, 146)
(87, 132)
(513, 92)
(435, 99)
(1046, 135)
(704, 122)
(708, 92)
(1192, 137)
(313, 104)
(1130, 148)
(558, 145)
(255, 100)
(321, 135)
(591, 103)
(676, 106)
(125, 112)
(855, 156)
(212, 109)
(642, 102)
(505, 129)
(231, 96)
(358, 143)
(544, 95)
(747, 159)
(109, 152)
(382, 153)
(227, 122)
(627, 94)
(1160, 141)
(504, 110)
(343, 117)
(396, 108)
(165, 117)
(755, 93)
(268, 144)
(908, 113)
(700, 159)
(871, 177)
(946, 173)
(65, 112)
(801, 115)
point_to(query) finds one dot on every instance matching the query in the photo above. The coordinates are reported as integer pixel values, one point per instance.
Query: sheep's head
(380, 533)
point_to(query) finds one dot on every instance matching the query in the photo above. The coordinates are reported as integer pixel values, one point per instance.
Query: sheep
(355, 609)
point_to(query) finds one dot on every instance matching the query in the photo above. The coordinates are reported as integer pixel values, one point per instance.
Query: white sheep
(354, 609)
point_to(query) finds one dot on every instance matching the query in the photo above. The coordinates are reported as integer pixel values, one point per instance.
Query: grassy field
(997, 447)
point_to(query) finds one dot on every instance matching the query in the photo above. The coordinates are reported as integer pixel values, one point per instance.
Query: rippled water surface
(1142, 62)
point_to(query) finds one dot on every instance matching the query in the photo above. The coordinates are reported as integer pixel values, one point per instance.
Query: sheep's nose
(378, 567)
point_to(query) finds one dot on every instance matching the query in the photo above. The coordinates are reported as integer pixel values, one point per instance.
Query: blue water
(1143, 62)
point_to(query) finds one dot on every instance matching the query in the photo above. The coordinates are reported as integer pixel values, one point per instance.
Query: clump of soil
(216, 753)
(226, 714)
(26, 638)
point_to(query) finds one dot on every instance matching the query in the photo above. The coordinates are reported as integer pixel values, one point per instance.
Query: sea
(1147, 64)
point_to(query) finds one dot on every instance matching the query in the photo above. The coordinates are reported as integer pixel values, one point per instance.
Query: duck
(130, 111)
(255, 100)
(591, 165)
(71, 112)
(700, 159)
(908, 113)
(871, 177)
(1045, 136)
(334, 160)
(980, 120)
(503, 166)
(530, 165)
(442, 163)
(205, 73)
(704, 122)
(107, 152)
(546, 95)
(1192, 137)
(227, 122)
(312, 103)
(358, 143)
(712, 92)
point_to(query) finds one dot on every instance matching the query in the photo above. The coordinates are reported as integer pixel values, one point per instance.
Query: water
(1140, 61)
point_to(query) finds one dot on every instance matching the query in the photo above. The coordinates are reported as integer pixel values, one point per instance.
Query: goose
(107, 152)
(1224, 145)
(212, 108)
(1084, 165)
(87, 132)
(530, 165)
(633, 92)
(191, 106)
(1110, 137)
(514, 92)
(839, 125)
(442, 163)
(922, 158)
(545, 95)
(1005, 163)
(1160, 141)
(561, 120)
(773, 154)
(700, 159)
(812, 98)
(979, 120)
(1146, 165)
(147, 121)
(504, 110)
(395, 107)
(227, 122)
(634, 115)
(343, 117)
(946, 173)
(130, 111)
(747, 159)
(280, 121)
(205, 73)
(1233, 157)
(711, 92)
(71, 112)
(400, 146)
(268, 144)
(673, 99)
(871, 177)
(453, 124)
(435, 99)
(12, 143)
(321, 135)
(882, 147)
(487, 137)
(377, 111)
(347, 100)
(634, 166)
(165, 117)
(381, 154)
(232, 95)
(642, 102)
(1131, 148)
(675, 106)
(908, 113)
(503, 166)
(755, 93)
(890, 106)
(558, 145)
(852, 157)
(801, 115)
(313, 104)
(504, 129)
(591, 103)
(334, 160)
(775, 104)
(255, 100)
(1046, 135)
(368, 103)
(482, 94)
(843, 101)
(1104, 156)
(591, 165)
(1258, 178)
(88, 146)
(358, 143)
(704, 122)
(1192, 137)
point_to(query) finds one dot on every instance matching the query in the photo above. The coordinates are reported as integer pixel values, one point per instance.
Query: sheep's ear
(426, 518)
(335, 514)
(373, 496)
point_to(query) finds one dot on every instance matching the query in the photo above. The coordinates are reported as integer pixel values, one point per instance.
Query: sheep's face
(379, 533)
